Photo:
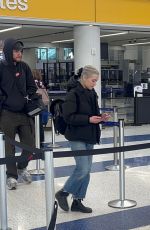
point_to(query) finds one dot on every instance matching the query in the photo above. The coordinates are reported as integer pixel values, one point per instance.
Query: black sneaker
(77, 206)
(61, 197)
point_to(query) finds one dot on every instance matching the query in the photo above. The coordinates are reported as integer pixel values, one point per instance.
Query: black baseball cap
(18, 46)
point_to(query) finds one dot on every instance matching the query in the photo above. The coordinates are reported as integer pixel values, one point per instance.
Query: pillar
(87, 50)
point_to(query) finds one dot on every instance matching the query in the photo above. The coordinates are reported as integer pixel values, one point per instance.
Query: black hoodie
(16, 80)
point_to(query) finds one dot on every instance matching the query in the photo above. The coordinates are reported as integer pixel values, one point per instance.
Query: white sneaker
(25, 175)
(11, 183)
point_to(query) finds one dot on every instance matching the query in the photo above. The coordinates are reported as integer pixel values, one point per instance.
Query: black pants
(13, 123)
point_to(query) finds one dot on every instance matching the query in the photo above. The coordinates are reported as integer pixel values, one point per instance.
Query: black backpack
(56, 111)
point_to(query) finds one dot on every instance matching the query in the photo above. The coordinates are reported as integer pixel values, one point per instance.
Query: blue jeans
(78, 182)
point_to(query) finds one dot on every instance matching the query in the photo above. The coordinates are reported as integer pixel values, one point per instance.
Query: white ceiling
(46, 32)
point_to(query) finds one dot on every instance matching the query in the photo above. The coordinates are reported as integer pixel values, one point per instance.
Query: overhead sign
(125, 12)
(13, 5)
(70, 10)
(129, 12)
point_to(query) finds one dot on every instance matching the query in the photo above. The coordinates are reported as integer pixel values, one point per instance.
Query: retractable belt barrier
(53, 219)
(38, 153)
(51, 206)
(107, 109)
(129, 148)
(110, 123)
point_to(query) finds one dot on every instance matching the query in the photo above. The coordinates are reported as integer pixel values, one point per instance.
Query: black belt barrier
(38, 154)
(100, 151)
(53, 218)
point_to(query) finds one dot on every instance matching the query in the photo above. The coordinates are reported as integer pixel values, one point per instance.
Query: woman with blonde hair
(81, 113)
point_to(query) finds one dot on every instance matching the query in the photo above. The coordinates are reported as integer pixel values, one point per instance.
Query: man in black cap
(16, 85)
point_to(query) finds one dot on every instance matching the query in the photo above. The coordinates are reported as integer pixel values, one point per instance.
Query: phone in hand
(106, 115)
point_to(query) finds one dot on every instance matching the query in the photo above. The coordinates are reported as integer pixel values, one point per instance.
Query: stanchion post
(122, 202)
(115, 132)
(37, 138)
(115, 166)
(3, 194)
(38, 169)
(53, 145)
(49, 185)
(121, 162)
(111, 96)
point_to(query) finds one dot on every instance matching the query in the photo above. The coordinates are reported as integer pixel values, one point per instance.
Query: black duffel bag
(34, 105)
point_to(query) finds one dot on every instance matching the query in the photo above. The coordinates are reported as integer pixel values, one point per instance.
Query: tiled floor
(26, 205)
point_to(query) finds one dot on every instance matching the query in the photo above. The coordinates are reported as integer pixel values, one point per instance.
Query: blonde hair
(37, 75)
(89, 70)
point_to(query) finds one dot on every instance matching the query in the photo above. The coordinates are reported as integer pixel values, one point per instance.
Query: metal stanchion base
(112, 167)
(54, 146)
(122, 203)
(115, 167)
(37, 172)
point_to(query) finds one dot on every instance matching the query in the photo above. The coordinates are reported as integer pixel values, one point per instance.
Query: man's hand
(95, 119)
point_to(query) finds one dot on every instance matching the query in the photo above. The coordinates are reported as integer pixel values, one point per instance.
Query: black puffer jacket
(79, 105)
(14, 79)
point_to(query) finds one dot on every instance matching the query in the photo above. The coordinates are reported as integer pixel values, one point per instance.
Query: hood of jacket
(8, 50)
(73, 82)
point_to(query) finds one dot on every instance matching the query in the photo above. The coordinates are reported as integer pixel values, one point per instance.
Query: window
(45, 54)
(68, 53)
(52, 54)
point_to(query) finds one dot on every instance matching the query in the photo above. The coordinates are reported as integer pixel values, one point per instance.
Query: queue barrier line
(49, 180)
(110, 123)
(60, 154)
(53, 219)
(128, 148)
(106, 109)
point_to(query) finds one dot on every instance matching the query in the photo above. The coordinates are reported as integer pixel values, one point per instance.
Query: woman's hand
(106, 116)
(98, 119)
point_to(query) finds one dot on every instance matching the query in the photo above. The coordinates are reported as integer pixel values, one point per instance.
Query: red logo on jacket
(18, 74)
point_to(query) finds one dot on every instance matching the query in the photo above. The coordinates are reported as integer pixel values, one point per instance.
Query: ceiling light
(135, 44)
(143, 39)
(11, 28)
(116, 34)
(61, 41)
